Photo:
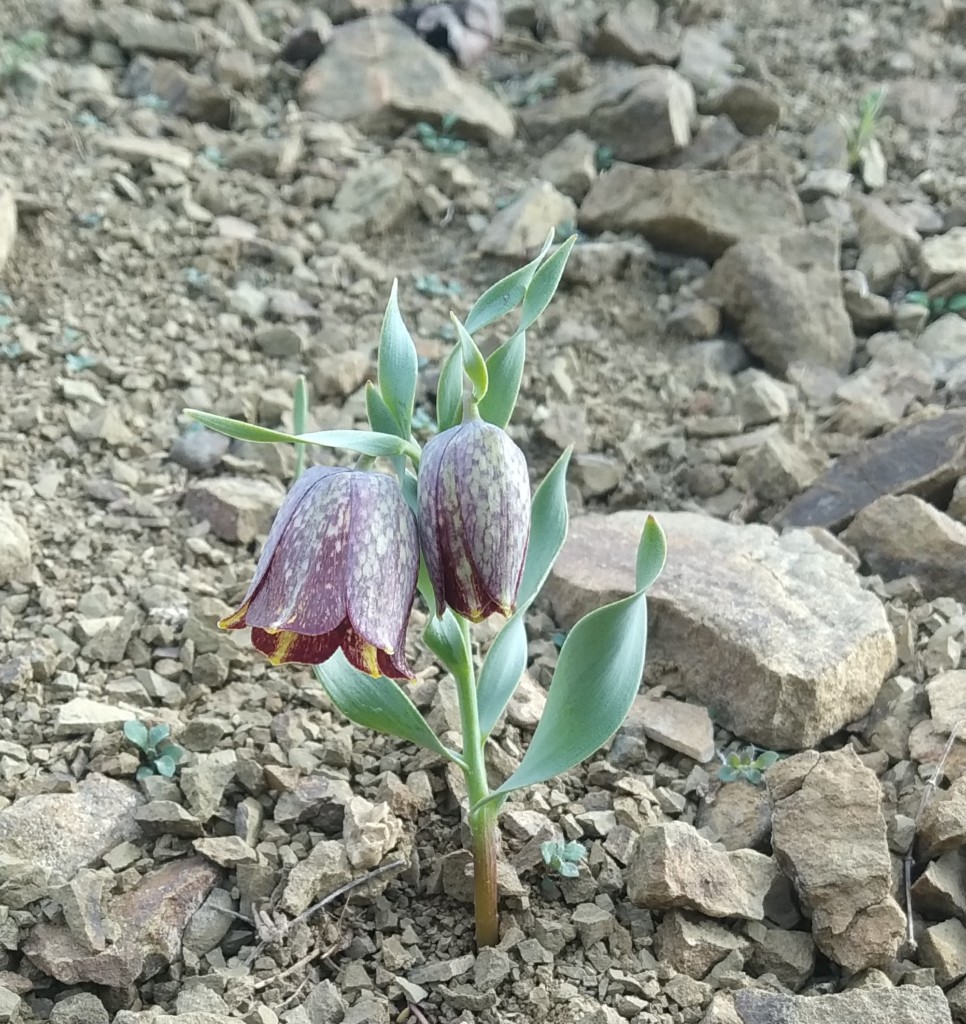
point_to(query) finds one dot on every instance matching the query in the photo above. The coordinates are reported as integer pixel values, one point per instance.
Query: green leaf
(766, 760)
(474, 365)
(505, 371)
(956, 304)
(144, 772)
(574, 851)
(380, 418)
(504, 296)
(398, 369)
(241, 430)
(158, 733)
(175, 752)
(506, 659)
(378, 704)
(651, 553)
(551, 850)
(504, 664)
(728, 774)
(444, 639)
(300, 405)
(597, 678)
(365, 442)
(752, 775)
(449, 391)
(548, 529)
(137, 733)
(165, 765)
(734, 761)
(918, 299)
(544, 284)
(569, 870)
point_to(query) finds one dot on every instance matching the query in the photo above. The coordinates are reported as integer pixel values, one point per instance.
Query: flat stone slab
(772, 633)
(697, 213)
(908, 1004)
(924, 458)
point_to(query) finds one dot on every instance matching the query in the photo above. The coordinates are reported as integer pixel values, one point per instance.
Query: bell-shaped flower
(474, 518)
(338, 570)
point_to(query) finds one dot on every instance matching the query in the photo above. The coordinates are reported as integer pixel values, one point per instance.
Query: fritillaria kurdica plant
(455, 523)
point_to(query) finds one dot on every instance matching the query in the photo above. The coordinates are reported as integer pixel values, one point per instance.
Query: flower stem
(482, 821)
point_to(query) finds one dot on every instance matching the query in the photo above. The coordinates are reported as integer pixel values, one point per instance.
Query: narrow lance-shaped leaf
(474, 365)
(398, 366)
(651, 554)
(505, 372)
(365, 442)
(507, 657)
(504, 296)
(544, 284)
(449, 391)
(300, 415)
(377, 704)
(377, 412)
(593, 688)
(241, 430)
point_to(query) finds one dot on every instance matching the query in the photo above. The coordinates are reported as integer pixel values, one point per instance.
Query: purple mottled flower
(474, 518)
(338, 570)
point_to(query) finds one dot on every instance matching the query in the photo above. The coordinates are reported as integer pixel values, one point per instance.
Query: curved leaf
(444, 639)
(365, 442)
(377, 704)
(398, 366)
(449, 391)
(380, 418)
(593, 688)
(474, 364)
(504, 664)
(241, 430)
(137, 733)
(165, 765)
(506, 659)
(544, 284)
(504, 296)
(157, 733)
(505, 371)
(651, 553)
(548, 529)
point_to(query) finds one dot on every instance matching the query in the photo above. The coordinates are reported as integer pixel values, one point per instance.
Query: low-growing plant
(563, 858)
(453, 520)
(938, 305)
(863, 131)
(160, 756)
(746, 764)
(22, 49)
(442, 139)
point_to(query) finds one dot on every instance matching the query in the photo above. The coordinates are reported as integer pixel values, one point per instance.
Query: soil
(131, 294)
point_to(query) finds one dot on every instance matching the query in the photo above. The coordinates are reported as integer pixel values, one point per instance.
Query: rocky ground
(758, 336)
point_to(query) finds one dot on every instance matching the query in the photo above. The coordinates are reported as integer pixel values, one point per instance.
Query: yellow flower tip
(370, 658)
(236, 620)
(284, 645)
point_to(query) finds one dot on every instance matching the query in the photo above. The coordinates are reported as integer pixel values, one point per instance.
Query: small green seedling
(442, 139)
(938, 304)
(562, 858)
(745, 765)
(604, 158)
(14, 53)
(159, 754)
(863, 131)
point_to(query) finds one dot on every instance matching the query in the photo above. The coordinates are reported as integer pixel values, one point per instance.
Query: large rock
(924, 458)
(239, 509)
(697, 213)
(8, 222)
(382, 77)
(673, 868)
(46, 839)
(16, 561)
(641, 114)
(829, 837)
(521, 228)
(906, 536)
(785, 296)
(773, 634)
(909, 1004)
(942, 256)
